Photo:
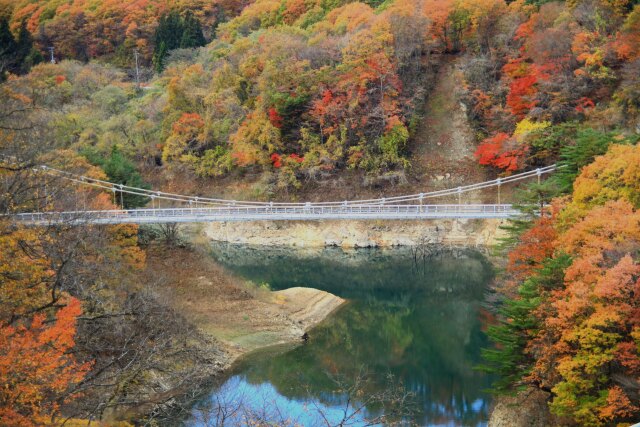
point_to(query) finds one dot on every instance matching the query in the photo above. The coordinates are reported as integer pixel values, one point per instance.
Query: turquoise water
(412, 325)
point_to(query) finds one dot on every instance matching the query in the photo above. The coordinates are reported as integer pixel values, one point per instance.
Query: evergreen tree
(120, 170)
(24, 42)
(175, 32)
(16, 55)
(34, 57)
(168, 37)
(159, 57)
(589, 144)
(508, 359)
(26, 54)
(192, 35)
(8, 48)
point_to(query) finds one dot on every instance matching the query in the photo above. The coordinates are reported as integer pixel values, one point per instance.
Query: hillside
(319, 100)
(294, 94)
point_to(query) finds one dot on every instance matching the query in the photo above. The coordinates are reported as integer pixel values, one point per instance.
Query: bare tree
(170, 233)
(422, 251)
(359, 406)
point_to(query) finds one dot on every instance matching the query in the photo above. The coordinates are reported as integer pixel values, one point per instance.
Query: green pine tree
(175, 32)
(170, 31)
(33, 58)
(192, 35)
(168, 36)
(8, 48)
(508, 360)
(26, 54)
(120, 170)
(159, 57)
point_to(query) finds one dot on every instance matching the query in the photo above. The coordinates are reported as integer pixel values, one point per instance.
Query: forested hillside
(268, 98)
(300, 90)
(571, 317)
(84, 30)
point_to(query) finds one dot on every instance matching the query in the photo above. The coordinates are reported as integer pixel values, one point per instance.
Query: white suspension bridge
(204, 209)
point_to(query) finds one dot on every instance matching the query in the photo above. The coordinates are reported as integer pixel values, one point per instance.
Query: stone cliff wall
(358, 234)
(528, 409)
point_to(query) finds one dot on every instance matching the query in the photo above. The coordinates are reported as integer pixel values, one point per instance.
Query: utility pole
(53, 59)
(135, 52)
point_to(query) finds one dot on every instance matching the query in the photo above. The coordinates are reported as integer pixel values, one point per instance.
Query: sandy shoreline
(239, 315)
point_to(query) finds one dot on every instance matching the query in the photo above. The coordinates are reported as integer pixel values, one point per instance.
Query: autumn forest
(278, 100)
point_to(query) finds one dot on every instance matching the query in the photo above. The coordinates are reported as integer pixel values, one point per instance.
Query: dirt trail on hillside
(444, 143)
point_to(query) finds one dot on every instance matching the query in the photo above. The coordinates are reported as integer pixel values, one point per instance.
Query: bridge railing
(247, 213)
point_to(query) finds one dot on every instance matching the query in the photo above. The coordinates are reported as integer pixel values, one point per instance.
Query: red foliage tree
(296, 158)
(521, 92)
(275, 118)
(495, 151)
(276, 160)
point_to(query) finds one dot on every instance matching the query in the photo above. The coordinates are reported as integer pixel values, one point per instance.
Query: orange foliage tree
(39, 369)
(36, 366)
(591, 324)
(186, 136)
(627, 44)
(534, 246)
(578, 329)
(26, 279)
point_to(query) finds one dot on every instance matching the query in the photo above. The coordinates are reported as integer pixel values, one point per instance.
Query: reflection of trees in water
(420, 326)
(422, 252)
(353, 274)
(425, 254)
(430, 347)
(352, 403)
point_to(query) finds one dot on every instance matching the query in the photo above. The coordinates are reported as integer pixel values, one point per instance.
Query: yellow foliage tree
(614, 176)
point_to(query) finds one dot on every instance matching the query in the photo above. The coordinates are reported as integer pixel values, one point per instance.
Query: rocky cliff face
(527, 409)
(358, 234)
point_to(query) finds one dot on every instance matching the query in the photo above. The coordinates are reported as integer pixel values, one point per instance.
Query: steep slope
(443, 144)
(444, 134)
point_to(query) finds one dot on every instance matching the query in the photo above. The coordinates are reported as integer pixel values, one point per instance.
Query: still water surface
(415, 323)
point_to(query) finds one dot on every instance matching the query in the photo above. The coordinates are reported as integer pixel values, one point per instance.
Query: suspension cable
(207, 201)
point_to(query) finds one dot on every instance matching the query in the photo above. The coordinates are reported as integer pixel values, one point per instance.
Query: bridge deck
(261, 213)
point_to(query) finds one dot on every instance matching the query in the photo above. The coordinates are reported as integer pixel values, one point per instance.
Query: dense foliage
(571, 322)
(572, 62)
(291, 91)
(17, 53)
(82, 30)
(304, 89)
(78, 315)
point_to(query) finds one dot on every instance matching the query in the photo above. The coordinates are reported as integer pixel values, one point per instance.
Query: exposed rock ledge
(307, 306)
(358, 234)
(275, 318)
(528, 409)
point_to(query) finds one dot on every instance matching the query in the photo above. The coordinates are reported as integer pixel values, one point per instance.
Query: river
(404, 346)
